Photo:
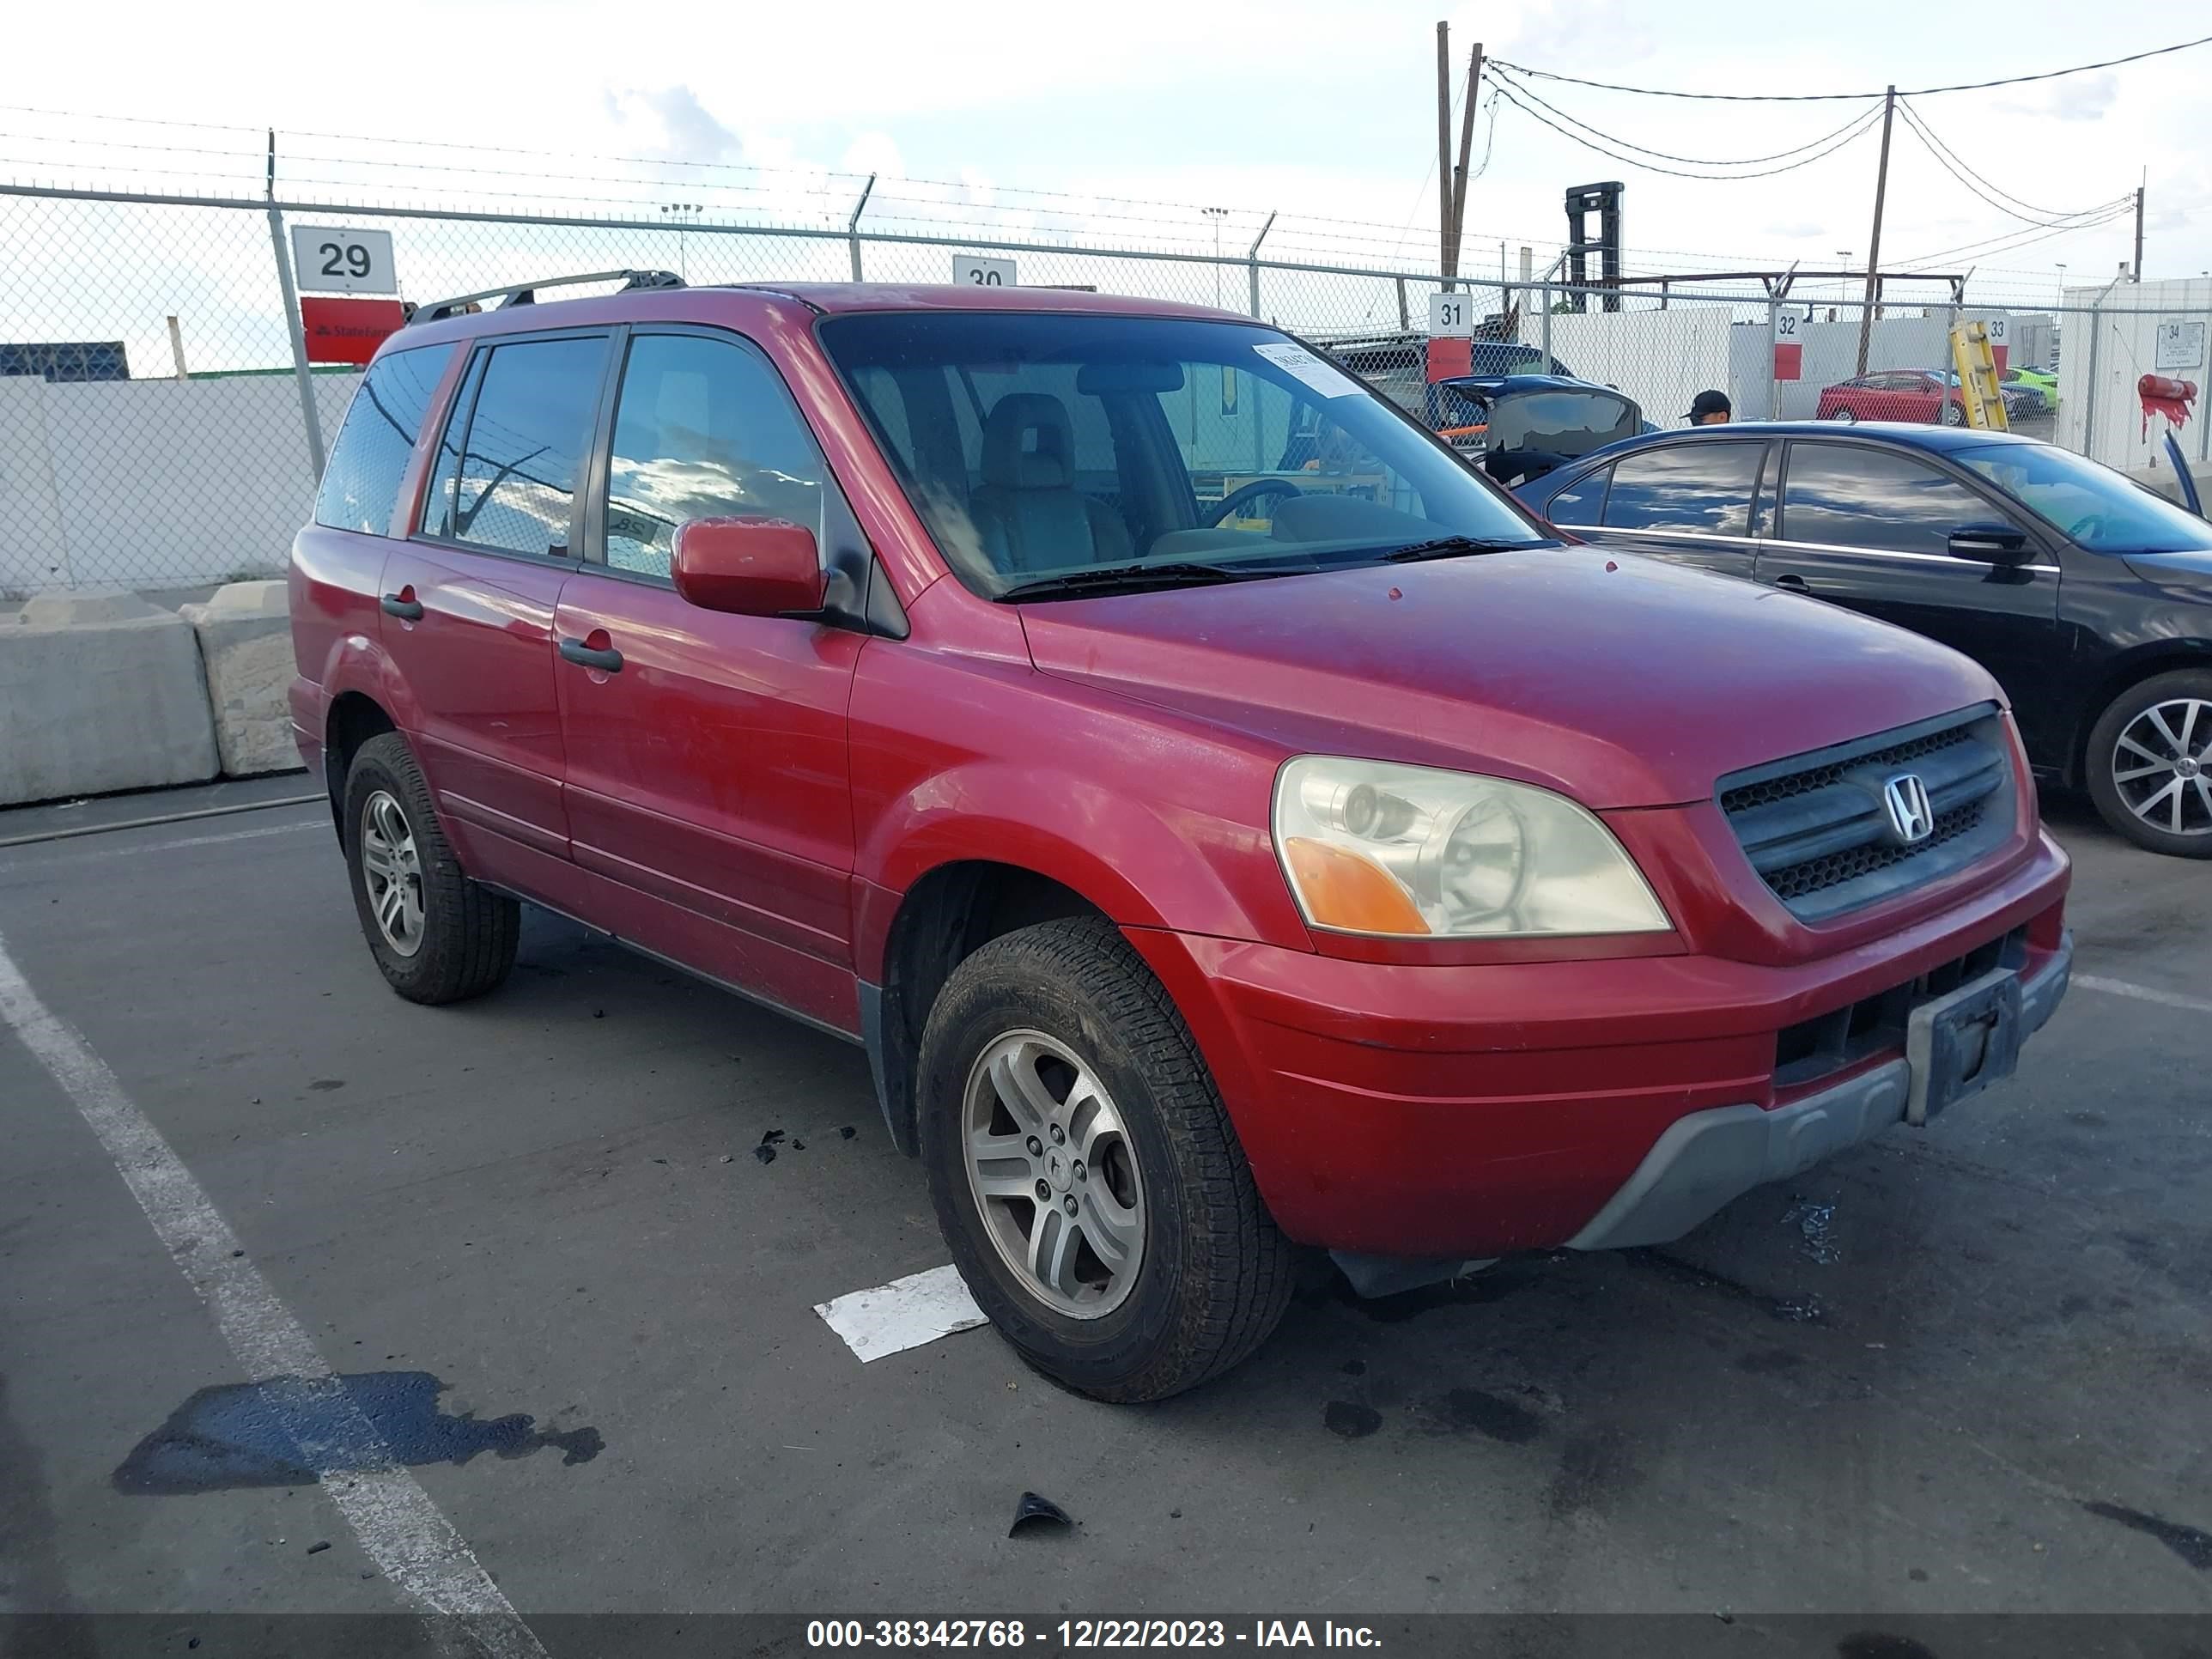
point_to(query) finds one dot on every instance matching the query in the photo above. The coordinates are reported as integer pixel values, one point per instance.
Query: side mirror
(756, 567)
(1988, 543)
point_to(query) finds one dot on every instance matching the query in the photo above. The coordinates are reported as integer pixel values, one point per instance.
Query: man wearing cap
(1709, 408)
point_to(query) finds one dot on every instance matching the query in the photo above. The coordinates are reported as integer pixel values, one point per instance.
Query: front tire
(1085, 1171)
(1843, 414)
(2149, 763)
(1954, 414)
(437, 936)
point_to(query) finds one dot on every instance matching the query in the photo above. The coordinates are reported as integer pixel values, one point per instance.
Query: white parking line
(141, 850)
(903, 1314)
(403, 1532)
(2120, 988)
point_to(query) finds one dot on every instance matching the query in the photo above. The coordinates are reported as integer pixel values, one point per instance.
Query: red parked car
(1892, 394)
(1212, 851)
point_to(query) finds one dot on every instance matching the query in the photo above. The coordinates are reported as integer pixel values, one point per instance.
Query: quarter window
(360, 484)
(1850, 495)
(1579, 503)
(526, 430)
(1704, 488)
(705, 428)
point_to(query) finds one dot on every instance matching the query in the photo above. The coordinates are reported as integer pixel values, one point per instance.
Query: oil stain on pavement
(251, 1434)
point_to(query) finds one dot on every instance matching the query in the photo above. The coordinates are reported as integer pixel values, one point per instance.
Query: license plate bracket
(1958, 1043)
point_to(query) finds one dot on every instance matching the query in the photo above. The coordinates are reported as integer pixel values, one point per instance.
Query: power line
(2012, 240)
(2007, 203)
(1841, 97)
(1865, 118)
(1842, 137)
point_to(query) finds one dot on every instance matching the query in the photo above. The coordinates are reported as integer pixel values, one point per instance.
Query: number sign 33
(325, 260)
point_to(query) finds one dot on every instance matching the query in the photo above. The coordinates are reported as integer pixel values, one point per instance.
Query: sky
(1323, 112)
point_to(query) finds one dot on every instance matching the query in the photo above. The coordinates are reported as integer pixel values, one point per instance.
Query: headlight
(1371, 847)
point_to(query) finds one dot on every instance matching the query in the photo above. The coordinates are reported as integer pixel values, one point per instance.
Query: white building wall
(2099, 410)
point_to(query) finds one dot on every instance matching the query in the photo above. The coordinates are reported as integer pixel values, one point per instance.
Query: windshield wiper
(1451, 547)
(1131, 578)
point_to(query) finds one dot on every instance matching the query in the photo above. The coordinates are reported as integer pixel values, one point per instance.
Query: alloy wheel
(2162, 766)
(1053, 1170)
(392, 869)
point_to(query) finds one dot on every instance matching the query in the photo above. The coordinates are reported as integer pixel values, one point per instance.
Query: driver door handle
(403, 604)
(1793, 582)
(608, 661)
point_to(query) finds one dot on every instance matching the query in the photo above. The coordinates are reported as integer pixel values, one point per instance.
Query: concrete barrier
(245, 643)
(2159, 475)
(100, 691)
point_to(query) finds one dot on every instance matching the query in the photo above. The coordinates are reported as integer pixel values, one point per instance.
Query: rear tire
(437, 936)
(1058, 1037)
(2150, 749)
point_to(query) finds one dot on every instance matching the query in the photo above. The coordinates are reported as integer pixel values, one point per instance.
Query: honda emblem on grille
(1905, 799)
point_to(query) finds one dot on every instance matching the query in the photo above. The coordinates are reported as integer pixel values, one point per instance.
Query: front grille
(1815, 828)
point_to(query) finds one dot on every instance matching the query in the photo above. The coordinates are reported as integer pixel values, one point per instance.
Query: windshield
(2091, 505)
(1145, 450)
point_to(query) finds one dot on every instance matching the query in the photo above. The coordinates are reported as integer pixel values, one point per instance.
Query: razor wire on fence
(159, 430)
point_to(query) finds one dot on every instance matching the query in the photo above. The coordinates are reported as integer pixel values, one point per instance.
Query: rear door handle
(583, 656)
(397, 604)
(1793, 582)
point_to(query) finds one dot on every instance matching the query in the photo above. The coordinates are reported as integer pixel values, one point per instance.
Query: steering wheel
(1244, 495)
(2087, 529)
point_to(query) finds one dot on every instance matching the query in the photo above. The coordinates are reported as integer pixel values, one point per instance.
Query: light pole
(1844, 254)
(2062, 282)
(682, 213)
(1216, 215)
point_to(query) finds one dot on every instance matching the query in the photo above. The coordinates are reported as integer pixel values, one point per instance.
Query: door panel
(708, 774)
(1867, 528)
(467, 605)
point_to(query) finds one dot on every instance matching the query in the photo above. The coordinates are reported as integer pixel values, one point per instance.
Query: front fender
(1142, 861)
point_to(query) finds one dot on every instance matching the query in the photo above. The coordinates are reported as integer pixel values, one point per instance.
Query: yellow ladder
(1980, 392)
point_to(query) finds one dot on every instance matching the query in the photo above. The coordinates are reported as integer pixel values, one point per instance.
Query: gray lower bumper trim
(1711, 1158)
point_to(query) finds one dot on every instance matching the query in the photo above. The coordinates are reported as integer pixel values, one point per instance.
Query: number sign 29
(331, 261)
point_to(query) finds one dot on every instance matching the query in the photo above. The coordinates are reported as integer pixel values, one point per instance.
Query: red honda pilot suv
(1225, 818)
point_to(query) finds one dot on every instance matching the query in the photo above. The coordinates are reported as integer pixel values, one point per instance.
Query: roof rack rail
(525, 293)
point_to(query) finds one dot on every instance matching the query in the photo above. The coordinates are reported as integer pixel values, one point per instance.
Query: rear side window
(509, 482)
(360, 484)
(1703, 488)
(1849, 495)
(704, 428)
(1579, 503)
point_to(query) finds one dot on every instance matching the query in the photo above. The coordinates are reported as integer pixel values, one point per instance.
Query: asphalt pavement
(1959, 1370)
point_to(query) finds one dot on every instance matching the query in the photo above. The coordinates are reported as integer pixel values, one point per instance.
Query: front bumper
(1447, 1112)
(1709, 1158)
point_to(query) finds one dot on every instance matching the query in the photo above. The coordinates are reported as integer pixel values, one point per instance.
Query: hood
(2187, 569)
(1620, 681)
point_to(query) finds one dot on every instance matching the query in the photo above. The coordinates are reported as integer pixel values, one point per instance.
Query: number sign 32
(325, 260)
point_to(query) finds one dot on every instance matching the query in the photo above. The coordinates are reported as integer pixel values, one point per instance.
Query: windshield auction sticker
(1329, 382)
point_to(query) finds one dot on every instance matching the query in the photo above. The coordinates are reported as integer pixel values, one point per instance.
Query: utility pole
(2138, 264)
(1466, 144)
(1874, 245)
(1443, 149)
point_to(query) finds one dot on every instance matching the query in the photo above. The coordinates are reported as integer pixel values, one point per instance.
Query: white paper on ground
(903, 1314)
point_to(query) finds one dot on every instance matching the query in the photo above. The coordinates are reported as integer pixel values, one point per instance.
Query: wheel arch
(943, 917)
(354, 718)
(2131, 668)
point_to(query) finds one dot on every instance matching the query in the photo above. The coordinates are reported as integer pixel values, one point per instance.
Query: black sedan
(2089, 597)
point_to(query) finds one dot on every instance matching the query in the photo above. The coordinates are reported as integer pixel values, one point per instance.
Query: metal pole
(1466, 143)
(177, 350)
(1873, 246)
(2089, 393)
(1548, 323)
(852, 225)
(1773, 378)
(1252, 260)
(1443, 151)
(1405, 320)
(308, 417)
(2203, 420)
(2138, 264)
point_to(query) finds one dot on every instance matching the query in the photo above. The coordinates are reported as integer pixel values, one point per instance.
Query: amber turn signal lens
(1343, 890)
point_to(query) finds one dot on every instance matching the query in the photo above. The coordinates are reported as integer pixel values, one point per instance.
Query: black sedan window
(1579, 503)
(1853, 495)
(1704, 488)
(2097, 508)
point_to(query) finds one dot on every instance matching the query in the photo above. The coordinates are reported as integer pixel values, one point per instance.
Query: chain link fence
(153, 433)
